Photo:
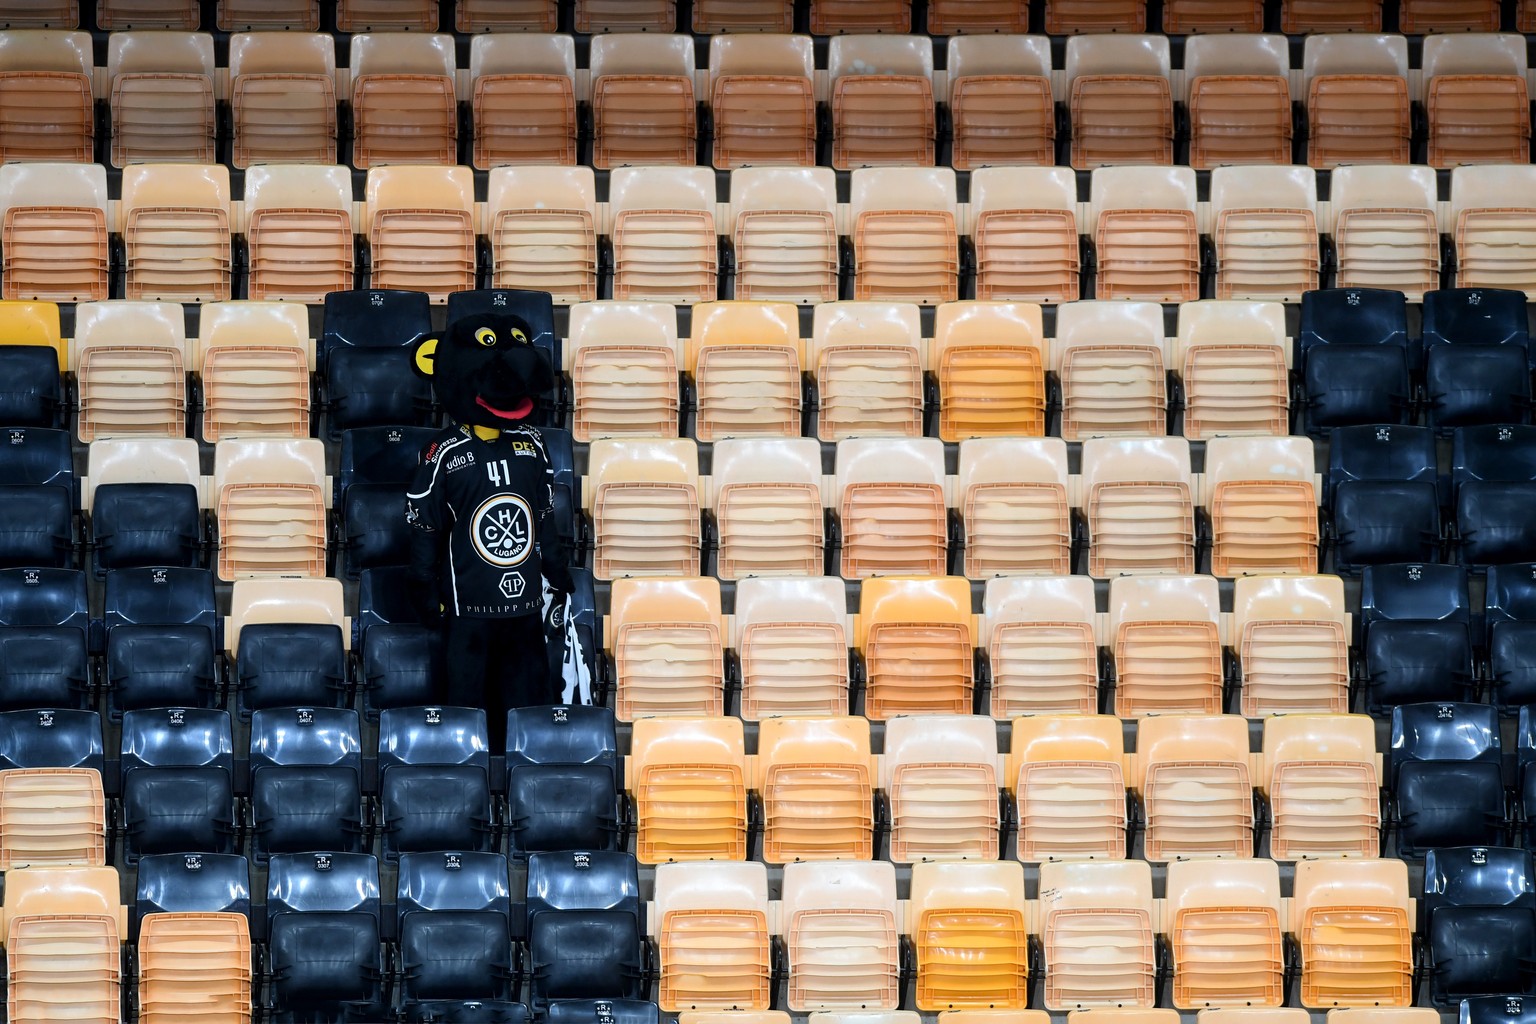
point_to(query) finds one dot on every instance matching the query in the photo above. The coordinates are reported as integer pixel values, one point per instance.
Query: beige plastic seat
(710, 926)
(1231, 357)
(1292, 639)
(918, 642)
(1262, 499)
(733, 1017)
(721, 16)
(130, 460)
(882, 101)
(1143, 224)
(816, 779)
(762, 96)
(1418, 17)
(1320, 774)
(766, 497)
(524, 99)
(1011, 493)
(63, 928)
(966, 17)
(175, 223)
(1069, 17)
(688, 779)
(282, 88)
(1357, 99)
(130, 362)
(643, 496)
(1354, 921)
(667, 642)
(160, 87)
(867, 1017)
(1475, 93)
(1165, 633)
(1385, 229)
(1383, 1015)
(254, 359)
(1298, 17)
(1023, 221)
(386, 15)
(989, 360)
(1039, 637)
(1110, 358)
(267, 15)
(1138, 494)
(506, 15)
(1239, 99)
(891, 506)
(1097, 931)
(783, 226)
(403, 105)
(421, 229)
(1493, 215)
(1192, 772)
(663, 230)
(46, 107)
(258, 601)
(1253, 1015)
(1190, 16)
(970, 936)
(626, 16)
(994, 1016)
(194, 964)
(622, 359)
(1121, 99)
(54, 230)
(1000, 101)
(790, 637)
(1225, 927)
(835, 17)
(1068, 776)
(271, 501)
(745, 359)
(40, 13)
(905, 245)
(940, 775)
(1264, 220)
(298, 227)
(52, 816)
(543, 229)
(866, 357)
(62, 891)
(642, 100)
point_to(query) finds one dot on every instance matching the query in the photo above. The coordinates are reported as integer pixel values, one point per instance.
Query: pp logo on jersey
(503, 530)
(511, 585)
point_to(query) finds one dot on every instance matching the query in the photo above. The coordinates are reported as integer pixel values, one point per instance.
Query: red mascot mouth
(519, 411)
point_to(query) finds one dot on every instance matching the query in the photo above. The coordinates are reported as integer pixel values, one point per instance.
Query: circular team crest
(503, 530)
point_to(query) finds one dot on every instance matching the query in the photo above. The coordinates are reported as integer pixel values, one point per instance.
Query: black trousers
(496, 664)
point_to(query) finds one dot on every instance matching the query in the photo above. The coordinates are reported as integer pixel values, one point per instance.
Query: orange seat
(1097, 933)
(386, 16)
(667, 642)
(403, 105)
(891, 506)
(523, 97)
(626, 16)
(1357, 99)
(768, 510)
(1231, 358)
(763, 99)
(52, 816)
(270, 498)
(506, 15)
(1475, 92)
(1000, 100)
(745, 359)
(1138, 494)
(161, 93)
(1121, 100)
(1039, 636)
(868, 369)
(1143, 224)
(785, 233)
(254, 360)
(970, 936)
(1354, 922)
(1292, 643)
(1298, 17)
(194, 964)
(46, 108)
(1069, 17)
(421, 228)
(687, 777)
(174, 219)
(1068, 773)
(55, 231)
(836, 17)
(1321, 775)
(1224, 924)
(1165, 633)
(841, 934)
(268, 16)
(298, 231)
(179, 15)
(963, 17)
(1265, 221)
(918, 643)
(790, 637)
(710, 928)
(663, 231)
(1493, 215)
(1184, 16)
(543, 227)
(1023, 221)
(283, 95)
(1109, 358)
(721, 16)
(1386, 228)
(1261, 496)
(1192, 772)
(989, 360)
(130, 361)
(882, 101)
(642, 100)
(643, 496)
(939, 773)
(1239, 100)
(816, 779)
(905, 244)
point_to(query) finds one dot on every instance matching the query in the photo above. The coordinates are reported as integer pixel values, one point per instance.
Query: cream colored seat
(46, 108)
(762, 95)
(1097, 931)
(1321, 775)
(891, 506)
(175, 223)
(1261, 495)
(270, 497)
(905, 245)
(1138, 494)
(254, 359)
(783, 226)
(1068, 776)
(160, 87)
(1492, 217)
(1354, 922)
(404, 109)
(1192, 772)
(1110, 358)
(63, 931)
(663, 230)
(643, 496)
(790, 635)
(421, 229)
(642, 100)
(842, 930)
(622, 358)
(1476, 97)
(1385, 229)
(282, 90)
(1121, 100)
(867, 361)
(1292, 640)
(1357, 99)
(882, 101)
(711, 928)
(1011, 493)
(298, 227)
(52, 816)
(1231, 357)
(940, 775)
(1165, 633)
(816, 779)
(1038, 634)
(523, 96)
(1000, 99)
(745, 359)
(667, 639)
(128, 460)
(1142, 221)
(1223, 919)
(917, 640)
(766, 498)
(1023, 221)
(130, 362)
(969, 929)
(543, 230)
(1239, 99)
(1264, 220)
(54, 230)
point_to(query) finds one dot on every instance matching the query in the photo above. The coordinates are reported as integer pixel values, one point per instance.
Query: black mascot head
(486, 370)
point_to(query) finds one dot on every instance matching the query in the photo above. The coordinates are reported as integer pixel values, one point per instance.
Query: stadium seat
(665, 636)
(622, 359)
(905, 246)
(398, 656)
(287, 640)
(51, 738)
(454, 927)
(643, 108)
(711, 932)
(1224, 921)
(1357, 97)
(32, 361)
(1120, 99)
(866, 357)
(1038, 642)
(1445, 776)
(724, 16)
(46, 108)
(306, 781)
(768, 513)
(1023, 223)
(1264, 224)
(999, 98)
(745, 360)
(131, 363)
(324, 954)
(40, 492)
(1110, 358)
(1353, 920)
(1475, 94)
(891, 507)
(939, 774)
(1122, 1015)
(264, 15)
(1488, 222)
(1097, 931)
(1292, 642)
(1320, 775)
(791, 646)
(1354, 357)
(841, 931)
(386, 15)
(1509, 614)
(783, 229)
(1069, 17)
(1165, 638)
(968, 926)
(815, 779)
(882, 101)
(994, 1017)
(1232, 365)
(663, 231)
(1476, 368)
(523, 99)
(177, 782)
(1138, 494)
(643, 497)
(584, 926)
(1480, 918)
(365, 371)
(1476, 1010)
(916, 640)
(1253, 1015)
(620, 1011)
(562, 765)
(375, 466)
(542, 223)
(1383, 495)
(50, 14)
(282, 95)
(270, 497)
(1262, 502)
(160, 89)
(161, 627)
(402, 100)
(762, 99)
(298, 227)
(1239, 99)
(1437, 16)
(1492, 474)
(1011, 493)
(1143, 226)
(254, 359)
(988, 359)
(1192, 772)
(1415, 625)
(52, 816)
(192, 883)
(63, 932)
(54, 229)
(1068, 776)
(834, 17)
(965, 17)
(175, 223)
(194, 964)
(434, 780)
(625, 16)
(45, 628)
(157, 14)
(1384, 229)
(142, 497)
(421, 229)
(687, 777)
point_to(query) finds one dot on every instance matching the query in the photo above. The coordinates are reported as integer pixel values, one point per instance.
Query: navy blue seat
(1510, 637)
(51, 738)
(467, 1011)
(398, 655)
(162, 627)
(377, 464)
(562, 779)
(1446, 776)
(306, 781)
(1479, 914)
(1497, 1010)
(40, 495)
(537, 309)
(1525, 754)
(454, 927)
(602, 1011)
(192, 883)
(323, 938)
(434, 780)
(1415, 623)
(178, 767)
(364, 359)
(1477, 357)
(1474, 316)
(1354, 358)
(1493, 474)
(1383, 496)
(585, 927)
(139, 524)
(31, 391)
(289, 664)
(45, 638)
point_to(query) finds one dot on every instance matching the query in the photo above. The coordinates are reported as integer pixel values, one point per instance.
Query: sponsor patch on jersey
(459, 461)
(503, 530)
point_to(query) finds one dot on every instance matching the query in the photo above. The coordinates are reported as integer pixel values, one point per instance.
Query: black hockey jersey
(490, 499)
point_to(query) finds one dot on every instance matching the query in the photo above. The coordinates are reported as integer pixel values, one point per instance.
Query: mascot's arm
(426, 555)
(554, 560)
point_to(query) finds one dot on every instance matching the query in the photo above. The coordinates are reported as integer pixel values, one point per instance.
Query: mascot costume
(486, 559)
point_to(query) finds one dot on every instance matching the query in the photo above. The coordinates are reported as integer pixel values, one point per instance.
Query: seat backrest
(783, 188)
(1478, 53)
(525, 53)
(46, 49)
(985, 323)
(1036, 599)
(183, 53)
(1477, 876)
(1351, 316)
(373, 318)
(1505, 452)
(1139, 459)
(1124, 885)
(663, 599)
(661, 188)
(23, 322)
(734, 322)
(716, 885)
(180, 883)
(936, 739)
(1371, 186)
(248, 323)
(306, 736)
(1346, 738)
(256, 460)
(401, 53)
(1224, 883)
(462, 880)
(1256, 458)
(405, 187)
(169, 596)
(1138, 188)
(297, 187)
(913, 599)
(612, 322)
(1236, 54)
(252, 601)
(51, 738)
(1102, 322)
(282, 53)
(930, 189)
(1510, 593)
(562, 734)
(44, 597)
(1311, 598)
(783, 56)
(862, 323)
(126, 322)
(1491, 187)
(1348, 883)
(810, 741)
(1228, 322)
(28, 185)
(1354, 53)
(837, 885)
(1249, 188)
(1117, 54)
(907, 56)
(1163, 599)
(862, 460)
(772, 599)
(754, 460)
(433, 736)
(1414, 591)
(1021, 188)
(323, 882)
(641, 54)
(621, 460)
(1444, 732)
(60, 890)
(1001, 460)
(1474, 1010)
(38, 457)
(160, 186)
(380, 455)
(1380, 453)
(535, 186)
(1165, 739)
(661, 741)
(997, 55)
(963, 885)
(177, 738)
(140, 460)
(1475, 316)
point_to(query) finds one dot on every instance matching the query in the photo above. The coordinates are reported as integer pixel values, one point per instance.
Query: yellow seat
(1232, 358)
(970, 934)
(421, 229)
(543, 226)
(918, 642)
(1067, 773)
(1354, 922)
(271, 497)
(194, 964)
(891, 506)
(905, 244)
(52, 816)
(1492, 214)
(1223, 921)
(989, 358)
(622, 358)
(866, 357)
(1166, 636)
(1023, 221)
(790, 638)
(783, 225)
(1262, 500)
(815, 777)
(663, 230)
(1292, 640)
(254, 359)
(131, 363)
(1385, 227)
(33, 325)
(1138, 494)
(687, 777)
(1192, 772)
(712, 939)
(1110, 358)
(745, 359)
(1039, 636)
(1011, 493)
(299, 231)
(1097, 931)
(643, 496)
(1321, 775)
(1264, 220)
(765, 493)
(668, 655)
(54, 230)
(1142, 220)
(939, 773)
(175, 223)
(842, 935)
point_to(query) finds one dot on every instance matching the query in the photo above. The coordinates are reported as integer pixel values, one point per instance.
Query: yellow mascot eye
(519, 336)
(486, 337)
